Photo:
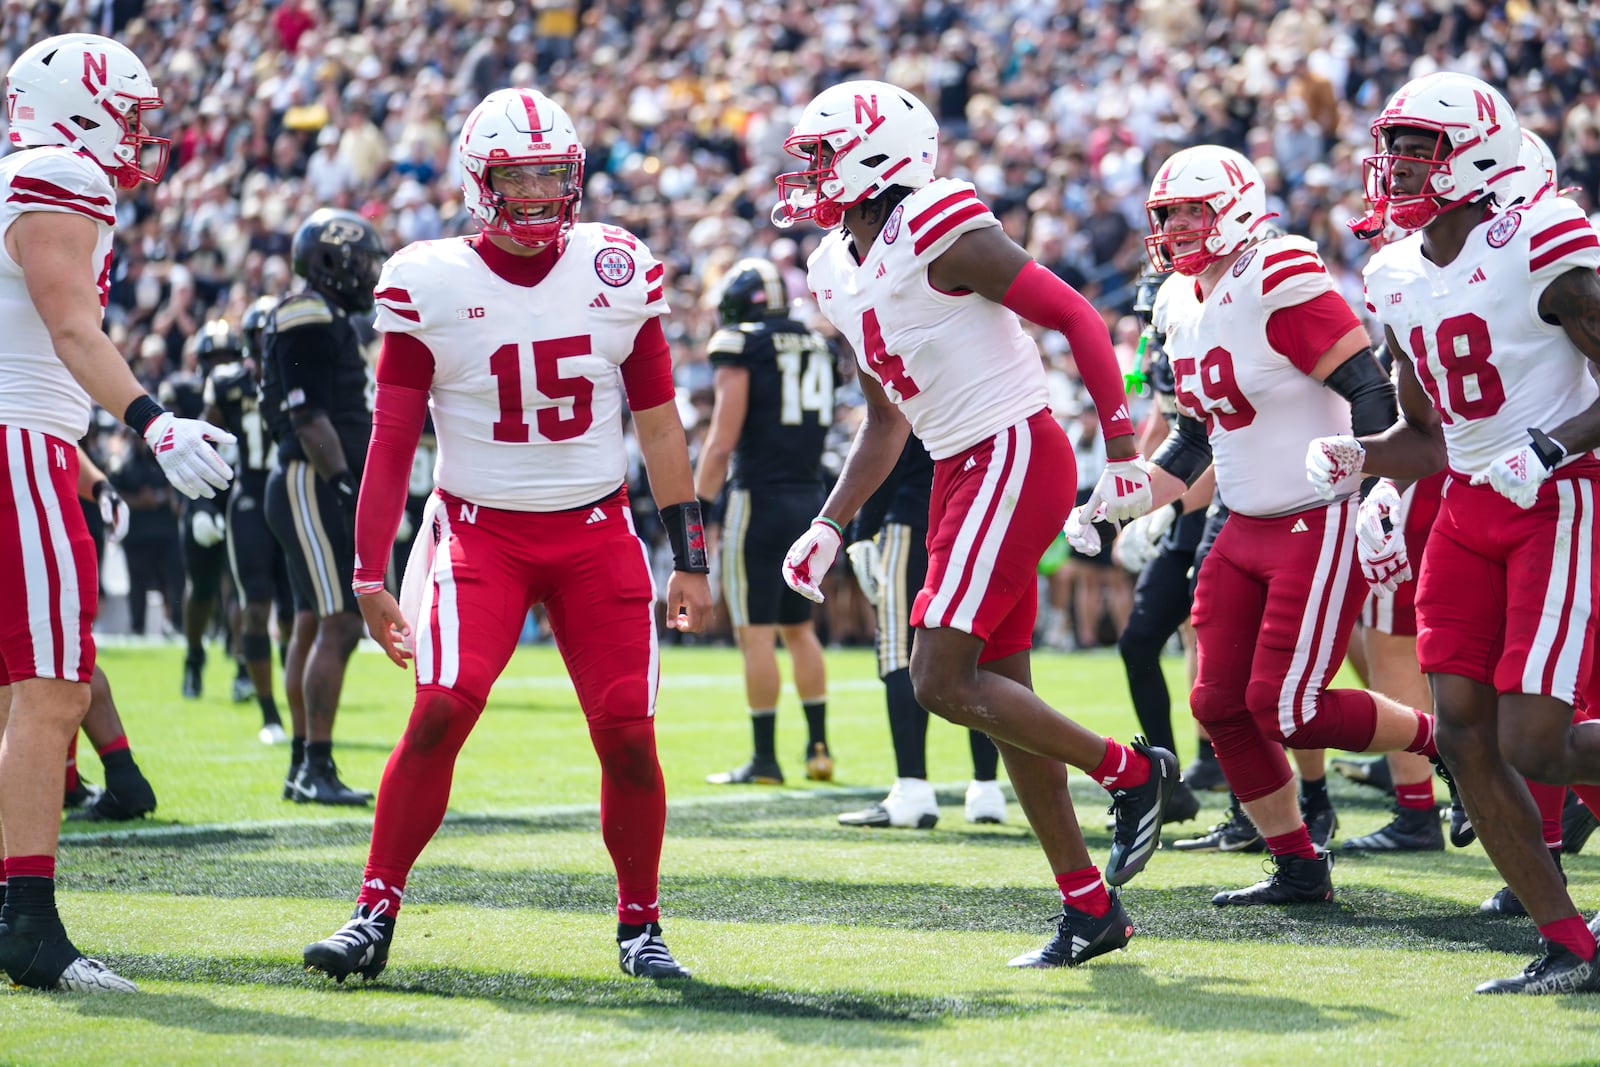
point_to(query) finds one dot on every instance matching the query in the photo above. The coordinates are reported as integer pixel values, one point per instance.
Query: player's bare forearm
(728, 413)
(1413, 447)
(1574, 300)
(1165, 487)
(89, 475)
(666, 454)
(872, 457)
(322, 447)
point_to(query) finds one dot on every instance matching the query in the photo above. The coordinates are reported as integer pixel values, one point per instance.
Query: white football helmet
(521, 128)
(1535, 179)
(876, 135)
(88, 93)
(1478, 141)
(1223, 180)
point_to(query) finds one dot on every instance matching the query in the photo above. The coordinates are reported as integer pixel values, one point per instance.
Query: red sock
(1295, 843)
(1549, 800)
(30, 867)
(1422, 744)
(414, 792)
(116, 744)
(1573, 933)
(1589, 794)
(1083, 889)
(72, 764)
(1121, 768)
(1417, 796)
(633, 815)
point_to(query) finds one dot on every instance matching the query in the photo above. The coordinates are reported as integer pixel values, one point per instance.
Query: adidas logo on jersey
(1477, 276)
(600, 302)
(1299, 526)
(1227, 298)
(597, 515)
(882, 270)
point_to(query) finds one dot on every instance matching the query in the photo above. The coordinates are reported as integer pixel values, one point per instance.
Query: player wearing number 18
(928, 289)
(525, 340)
(1494, 318)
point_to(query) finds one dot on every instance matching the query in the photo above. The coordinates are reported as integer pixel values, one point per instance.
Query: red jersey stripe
(393, 294)
(1275, 280)
(404, 313)
(948, 202)
(652, 295)
(27, 184)
(655, 273)
(82, 209)
(1284, 256)
(1576, 244)
(1557, 230)
(931, 236)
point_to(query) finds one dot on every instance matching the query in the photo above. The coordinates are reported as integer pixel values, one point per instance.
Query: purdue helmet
(752, 290)
(339, 255)
(217, 343)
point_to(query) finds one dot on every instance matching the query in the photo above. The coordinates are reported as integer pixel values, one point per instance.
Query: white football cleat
(272, 734)
(84, 975)
(911, 804)
(985, 802)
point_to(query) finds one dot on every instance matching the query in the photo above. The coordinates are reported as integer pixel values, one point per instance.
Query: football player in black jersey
(203, 519)
(255, 558)
(774, 382)
(889, 552)
(317, 400)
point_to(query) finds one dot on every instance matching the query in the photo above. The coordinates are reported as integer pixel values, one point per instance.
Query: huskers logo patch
(891, 229)
(614, 266)
(1502, 229)
(1243, 263)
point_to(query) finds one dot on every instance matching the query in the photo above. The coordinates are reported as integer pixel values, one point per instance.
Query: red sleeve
(647, 372)
(405, 370)
(1304, 332)
(1040, 297)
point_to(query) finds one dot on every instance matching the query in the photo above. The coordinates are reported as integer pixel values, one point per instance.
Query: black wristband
(686, 533)
(142, 412)
(1549, 450)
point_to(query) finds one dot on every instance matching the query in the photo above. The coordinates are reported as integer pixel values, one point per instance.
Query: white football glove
(1384, 563)
(1330, 460)
(1080, 531)
(810, 559)
(1140, 540)
(1516, 476)
(1123, 489)
(209, 528)
(114, 513)
(868, 566)
(184, 449)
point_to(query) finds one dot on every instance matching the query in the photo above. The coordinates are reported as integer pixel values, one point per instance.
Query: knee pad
(440, 717)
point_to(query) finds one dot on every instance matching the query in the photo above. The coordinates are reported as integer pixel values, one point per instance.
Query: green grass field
(810, 942)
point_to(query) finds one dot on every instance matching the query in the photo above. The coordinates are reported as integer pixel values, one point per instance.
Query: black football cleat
(1080, 937)
(1577, 823)
(194, 677)
(1322, 822)
(1411, 830)
(1373, 772)
(1292, 880)
(37, 953)
(1205, 776)
(1559, 970)
(1461, 832)
(1138, 811)
(318, 783)
(360, 946)
(643, 954)
(756, 772)
(1182, 805)
(1505, 902)
(1236, 833)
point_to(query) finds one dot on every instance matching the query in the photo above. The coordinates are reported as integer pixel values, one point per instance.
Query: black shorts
(304, 514)
(757, 531)
(202, 564)
(904, 552)
(256, 559)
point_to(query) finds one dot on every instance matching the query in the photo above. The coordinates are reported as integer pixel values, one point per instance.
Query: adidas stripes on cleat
(642, 953)
(360, 946)
(1138, 810)
(1080, 937)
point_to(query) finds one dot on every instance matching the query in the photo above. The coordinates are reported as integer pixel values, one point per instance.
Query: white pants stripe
(36, 577)
(1570, 564)
(975, 547)
(1328, 586)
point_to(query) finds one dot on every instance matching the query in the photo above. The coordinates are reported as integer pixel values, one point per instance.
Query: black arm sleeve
(1186, 453)
(1361, 381)
(307, 357)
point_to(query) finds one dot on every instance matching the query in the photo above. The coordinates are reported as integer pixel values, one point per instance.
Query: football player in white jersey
(1492, 316)
(526, 341)
(76, 105)
(1266, 355)
(928, 290)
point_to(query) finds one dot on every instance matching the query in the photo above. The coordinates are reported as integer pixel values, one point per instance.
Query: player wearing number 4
(1266, 356)
(524, 341)
(928, 289)
(1492, 315)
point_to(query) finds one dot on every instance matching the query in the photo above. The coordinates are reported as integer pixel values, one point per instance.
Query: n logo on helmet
(91, 67)
(1486, 109)
(866, 110)
(1234, 174)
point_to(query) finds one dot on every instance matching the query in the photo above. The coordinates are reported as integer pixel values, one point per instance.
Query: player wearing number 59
(927, 288)
(524, 341)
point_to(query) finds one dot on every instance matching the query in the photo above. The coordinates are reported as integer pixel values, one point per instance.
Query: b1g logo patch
(614, 266)
(1243, 263)
(891, 229)
(1502, 229)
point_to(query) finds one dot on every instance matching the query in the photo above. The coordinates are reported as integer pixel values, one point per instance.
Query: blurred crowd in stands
(1058, 111)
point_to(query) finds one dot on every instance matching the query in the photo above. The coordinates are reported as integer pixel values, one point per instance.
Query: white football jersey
(1260, 410)
(1490, 364)
(527, 392)
(37, 392)
(959, 366)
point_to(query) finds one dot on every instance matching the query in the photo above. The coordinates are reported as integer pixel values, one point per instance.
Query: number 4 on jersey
(889, 369)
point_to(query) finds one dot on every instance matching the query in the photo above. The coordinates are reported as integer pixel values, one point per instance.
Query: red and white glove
(810, 559)
(1123, 489)
(1079, 528)
(184, 449)
(1384, 563)
(1140, 540)
(1331, 460)
(1517, 476)
(864, 560)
